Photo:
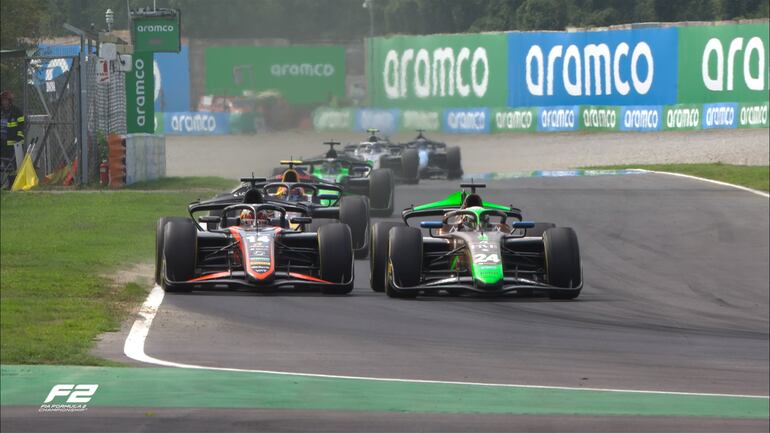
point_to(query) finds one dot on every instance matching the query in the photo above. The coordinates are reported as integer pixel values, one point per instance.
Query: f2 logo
(75, 393)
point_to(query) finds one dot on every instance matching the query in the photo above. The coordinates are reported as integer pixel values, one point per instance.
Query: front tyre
(354, 211)
(562, 262)
(381, 191)
(378, 254)
(335, 252)
(454, 163)
(159, 239)
(410, 166)
(179, 251)
(404, 261)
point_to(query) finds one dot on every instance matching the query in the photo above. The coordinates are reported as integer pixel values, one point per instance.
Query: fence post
(83, 103)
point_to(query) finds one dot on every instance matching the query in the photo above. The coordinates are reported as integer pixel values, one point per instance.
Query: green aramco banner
(298, 74)
(721, 63)
(460, 70)
(140, 102)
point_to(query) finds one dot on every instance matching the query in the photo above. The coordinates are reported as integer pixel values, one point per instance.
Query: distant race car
(436, 159)
(252, 244)
(353, 175)
(473, 246)
(319, 199)
(381, 153)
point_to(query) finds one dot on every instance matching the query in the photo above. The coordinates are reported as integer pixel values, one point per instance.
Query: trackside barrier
(589, 118)
(145, 157)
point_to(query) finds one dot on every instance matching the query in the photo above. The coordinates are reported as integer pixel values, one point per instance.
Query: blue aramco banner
(554, 119)
(618, 67)
(641, 118)
(720, 115)
(467, 121)
(187, 123)
(172, 81)
(386, 120)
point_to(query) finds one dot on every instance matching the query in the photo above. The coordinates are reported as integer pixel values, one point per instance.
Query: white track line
(703, 179)
(134, 349)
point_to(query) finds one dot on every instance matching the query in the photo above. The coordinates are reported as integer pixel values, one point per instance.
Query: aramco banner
(140, 85)
(723, 63)
(602, 68)
(461, 70)
(298, 74)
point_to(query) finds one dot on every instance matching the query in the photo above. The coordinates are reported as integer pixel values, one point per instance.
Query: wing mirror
(431, 224)
(523, 225)
(209, 219)
(301, 220)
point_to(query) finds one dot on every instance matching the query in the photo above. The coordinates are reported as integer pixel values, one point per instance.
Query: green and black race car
(473, 246)
(353, 175)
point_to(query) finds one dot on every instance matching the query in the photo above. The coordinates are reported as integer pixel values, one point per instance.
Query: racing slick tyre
(354, 211)
(179, 250)
(277, 171)
(562, 262)
(410, 166)
(381, 192)
(378, 254)
(539, 229)
(404, 261)
(159, 230)
(335, 252)
(453, 163)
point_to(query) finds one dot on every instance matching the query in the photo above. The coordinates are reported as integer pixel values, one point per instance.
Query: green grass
(186, 183)
(58, 251)
(751, 176)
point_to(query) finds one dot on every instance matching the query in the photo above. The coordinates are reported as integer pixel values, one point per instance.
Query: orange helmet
(247, 218)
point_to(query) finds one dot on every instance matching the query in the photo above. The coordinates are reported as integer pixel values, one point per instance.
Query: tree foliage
(346, 20)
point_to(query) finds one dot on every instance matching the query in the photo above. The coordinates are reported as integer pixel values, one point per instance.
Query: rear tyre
(454, 163)
(354, 211)
(405, 261)
(159, 237)
(179, 251)
(562, 262)
(381, 192)
(277, 171)
(335, 252)
(410, 166)
(378, 254)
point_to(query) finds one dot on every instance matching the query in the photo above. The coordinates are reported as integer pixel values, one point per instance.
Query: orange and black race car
(252, 244)
(317, 199)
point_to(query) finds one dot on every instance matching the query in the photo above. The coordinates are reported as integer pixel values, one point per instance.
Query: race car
(252, 245)
(381, 153)
(436, 159)
(319, 199)
(353, 175)
(473, 246)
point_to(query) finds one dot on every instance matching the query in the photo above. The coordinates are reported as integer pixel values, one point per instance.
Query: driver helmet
(263, 218)
(330, 166)
(297, 193)
(467, 222)
(247, 218)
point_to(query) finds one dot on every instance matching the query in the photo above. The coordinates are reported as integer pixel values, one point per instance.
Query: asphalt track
(675, 299)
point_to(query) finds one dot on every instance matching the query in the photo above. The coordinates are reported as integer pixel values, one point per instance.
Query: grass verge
(751, 176)
(56, 249)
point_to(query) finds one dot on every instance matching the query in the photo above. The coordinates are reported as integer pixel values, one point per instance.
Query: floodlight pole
(83, 102)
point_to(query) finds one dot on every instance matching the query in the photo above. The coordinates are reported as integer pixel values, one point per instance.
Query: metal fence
(61, 107)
